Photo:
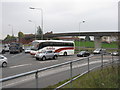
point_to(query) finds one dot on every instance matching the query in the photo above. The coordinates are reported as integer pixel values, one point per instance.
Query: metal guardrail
(54, 66)
(38, 70)
(102, 65)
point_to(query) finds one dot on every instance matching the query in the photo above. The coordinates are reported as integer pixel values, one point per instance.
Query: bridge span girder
(97, 35)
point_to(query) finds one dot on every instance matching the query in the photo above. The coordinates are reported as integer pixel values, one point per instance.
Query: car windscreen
(49, 51)
(28, 48)
(98, 49)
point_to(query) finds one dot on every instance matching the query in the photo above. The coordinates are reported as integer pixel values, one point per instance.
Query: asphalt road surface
(20, 63)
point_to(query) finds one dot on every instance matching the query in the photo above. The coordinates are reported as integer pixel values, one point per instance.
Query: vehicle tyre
(37, 58)
(3, 51)
(55, 57)
(43, 58)
(20, 50)
(4, 64)
(65, 53)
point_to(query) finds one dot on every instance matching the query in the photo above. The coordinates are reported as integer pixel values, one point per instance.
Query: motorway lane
(40, 64)
(20, 63)
(47, 78)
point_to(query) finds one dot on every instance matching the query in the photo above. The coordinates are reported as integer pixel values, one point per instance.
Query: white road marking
(23, 80)
(20, 65)
(17, 55)
(48, 61)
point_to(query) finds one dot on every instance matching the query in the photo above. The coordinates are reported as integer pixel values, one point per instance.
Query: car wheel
(43, 58)
(4, 64)
(65, 53)
(37, 58)
(55, 57)
(3, 51)
(20, 50)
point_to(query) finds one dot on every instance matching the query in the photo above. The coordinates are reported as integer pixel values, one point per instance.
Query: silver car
(27, 50)
(46, 55)
(115, 53)
(99, 51)
(3, 61)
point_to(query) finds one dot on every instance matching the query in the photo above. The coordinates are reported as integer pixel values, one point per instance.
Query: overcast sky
(59, 16)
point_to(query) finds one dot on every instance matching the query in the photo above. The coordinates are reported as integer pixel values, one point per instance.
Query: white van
(6, 47)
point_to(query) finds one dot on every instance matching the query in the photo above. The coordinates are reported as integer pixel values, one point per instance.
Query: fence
(70, 63)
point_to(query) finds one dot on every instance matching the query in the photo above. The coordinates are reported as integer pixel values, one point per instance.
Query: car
(27, 50)
(15, 47)
(6, 48)
(83, 54)
(2, 51)
(99, 51)
(46, 55)
(115, 53)
(3, 61)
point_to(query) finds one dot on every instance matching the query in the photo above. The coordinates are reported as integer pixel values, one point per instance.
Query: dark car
(15, 47)
(83, 54)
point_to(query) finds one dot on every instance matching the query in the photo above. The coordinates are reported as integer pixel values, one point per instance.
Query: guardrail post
(36, 77)
(71, 73)
(112, 59)
(101, 60)
(88, 64)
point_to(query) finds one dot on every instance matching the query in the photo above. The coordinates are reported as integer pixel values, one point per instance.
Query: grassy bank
(102, 78)
(89, 44)
(106, 78)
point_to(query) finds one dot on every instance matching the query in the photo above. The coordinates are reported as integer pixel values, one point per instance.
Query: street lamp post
(12, 29)
(79, 32)
(41, 18)
(35, 27)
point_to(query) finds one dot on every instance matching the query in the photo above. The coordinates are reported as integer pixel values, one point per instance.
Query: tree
(39, 32)
(8, 37)
(13, 38)
(20, 34)
(87, 38)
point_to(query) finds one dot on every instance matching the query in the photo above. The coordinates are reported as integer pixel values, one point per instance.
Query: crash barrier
(70, 63)
(89, 69)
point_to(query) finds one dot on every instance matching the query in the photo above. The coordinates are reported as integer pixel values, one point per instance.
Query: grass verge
(102, 78)
(89, 44)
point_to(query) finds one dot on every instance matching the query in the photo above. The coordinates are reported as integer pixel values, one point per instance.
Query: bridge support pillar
(97, 41)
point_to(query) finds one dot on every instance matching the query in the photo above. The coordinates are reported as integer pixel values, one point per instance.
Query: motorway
(20, 63)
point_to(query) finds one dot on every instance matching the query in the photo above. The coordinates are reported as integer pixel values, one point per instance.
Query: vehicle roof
(53, 41)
